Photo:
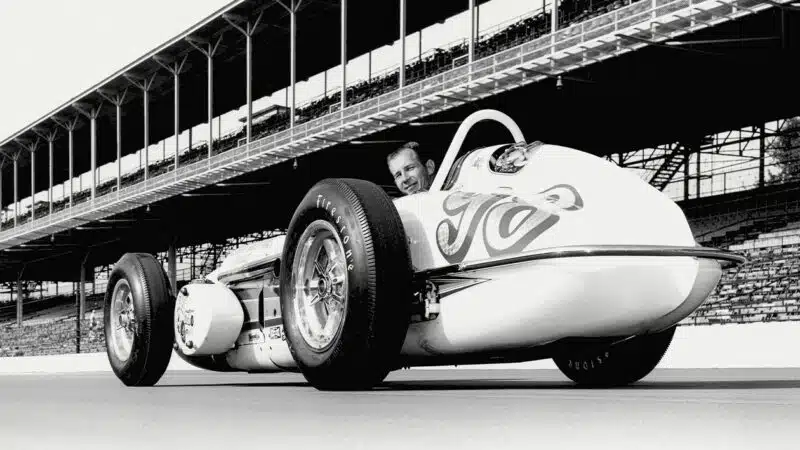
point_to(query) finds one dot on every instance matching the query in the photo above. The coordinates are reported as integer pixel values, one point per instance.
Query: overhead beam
(659, 44)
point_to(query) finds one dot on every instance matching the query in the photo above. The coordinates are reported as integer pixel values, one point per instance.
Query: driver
(410, 174)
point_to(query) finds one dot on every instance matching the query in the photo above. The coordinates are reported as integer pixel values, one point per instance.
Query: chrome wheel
(319, 277)
(123, 320)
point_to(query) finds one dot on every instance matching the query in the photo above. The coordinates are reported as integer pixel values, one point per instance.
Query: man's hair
(411, 145)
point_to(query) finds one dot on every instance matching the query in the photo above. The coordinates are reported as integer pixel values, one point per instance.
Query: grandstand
(91, 221)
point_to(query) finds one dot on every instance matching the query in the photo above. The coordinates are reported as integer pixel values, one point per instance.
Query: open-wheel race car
(517, 252)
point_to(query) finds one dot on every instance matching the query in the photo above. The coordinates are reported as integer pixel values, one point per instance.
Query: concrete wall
(767, 345)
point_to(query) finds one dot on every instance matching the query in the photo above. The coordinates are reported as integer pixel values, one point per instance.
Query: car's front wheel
(615, 365)
(346, 287)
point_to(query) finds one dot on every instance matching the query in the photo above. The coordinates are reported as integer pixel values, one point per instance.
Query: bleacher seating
(55, 332)
(766, 288)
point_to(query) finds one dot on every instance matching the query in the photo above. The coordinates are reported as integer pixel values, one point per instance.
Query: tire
(139, 280)
(616, 365)
(373, 275)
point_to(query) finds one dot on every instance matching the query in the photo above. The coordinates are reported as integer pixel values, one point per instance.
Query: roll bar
(461, 134)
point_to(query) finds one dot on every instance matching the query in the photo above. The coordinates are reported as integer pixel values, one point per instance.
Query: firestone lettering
(325, 204)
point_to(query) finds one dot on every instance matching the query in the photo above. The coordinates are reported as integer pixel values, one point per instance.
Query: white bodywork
(558, 198)
(586, 201)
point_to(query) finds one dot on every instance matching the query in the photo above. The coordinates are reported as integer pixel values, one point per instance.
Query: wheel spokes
(321, 287)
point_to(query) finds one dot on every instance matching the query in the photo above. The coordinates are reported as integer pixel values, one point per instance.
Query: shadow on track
(478, 384)
(516, 384)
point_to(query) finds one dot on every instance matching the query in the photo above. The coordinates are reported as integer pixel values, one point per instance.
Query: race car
(517, 252)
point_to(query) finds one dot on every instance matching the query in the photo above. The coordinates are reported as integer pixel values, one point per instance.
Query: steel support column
(292, 60)
(210, 63)
(419, 49)
(92, 113)
(686, 173)
(249, 84)
(172, 267)
(146, 163)
(343, 42)
(145, 85)
(471, 30)
(82, 298)
(696, 148)
(761, 155)
(116, 100)
(16, 188)
(402, 43)
(31, 148)
(94, 154)
(175, 69)
(50, 145)
(71, 162)
(19, 300)
(177, 117)
(119, 145)
(69, 125)
(50, 137)
(248, 31)
(33, 183)
(554, 17)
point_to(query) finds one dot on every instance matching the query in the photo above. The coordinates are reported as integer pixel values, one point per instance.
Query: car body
(516, 249)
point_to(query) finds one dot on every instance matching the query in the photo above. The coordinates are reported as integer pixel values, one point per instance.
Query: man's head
(409, 173)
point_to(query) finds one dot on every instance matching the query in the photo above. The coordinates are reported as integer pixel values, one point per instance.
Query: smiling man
(410, 174)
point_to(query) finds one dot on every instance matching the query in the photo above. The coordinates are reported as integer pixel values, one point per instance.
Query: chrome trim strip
(592, 250)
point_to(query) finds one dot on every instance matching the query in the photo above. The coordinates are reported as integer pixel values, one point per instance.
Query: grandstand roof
(315, 52)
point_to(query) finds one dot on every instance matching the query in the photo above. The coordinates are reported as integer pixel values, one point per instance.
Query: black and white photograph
(399, 224)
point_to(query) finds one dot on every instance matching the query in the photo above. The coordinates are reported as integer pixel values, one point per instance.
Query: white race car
(518, 252)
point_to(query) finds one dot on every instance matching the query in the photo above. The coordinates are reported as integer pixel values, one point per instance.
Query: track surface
(488, 409)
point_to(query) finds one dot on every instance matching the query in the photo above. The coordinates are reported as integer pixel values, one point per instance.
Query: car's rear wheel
(347, 285)
(138, 313)
(616, 365)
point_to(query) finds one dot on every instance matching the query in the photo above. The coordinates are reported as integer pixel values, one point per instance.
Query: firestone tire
(138, 315)
(346, 254)
(616, 365)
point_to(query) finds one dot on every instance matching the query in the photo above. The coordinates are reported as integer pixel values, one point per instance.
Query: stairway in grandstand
(766, 288)
(673, 161)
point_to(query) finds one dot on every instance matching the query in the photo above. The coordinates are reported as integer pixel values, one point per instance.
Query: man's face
(410, 175)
